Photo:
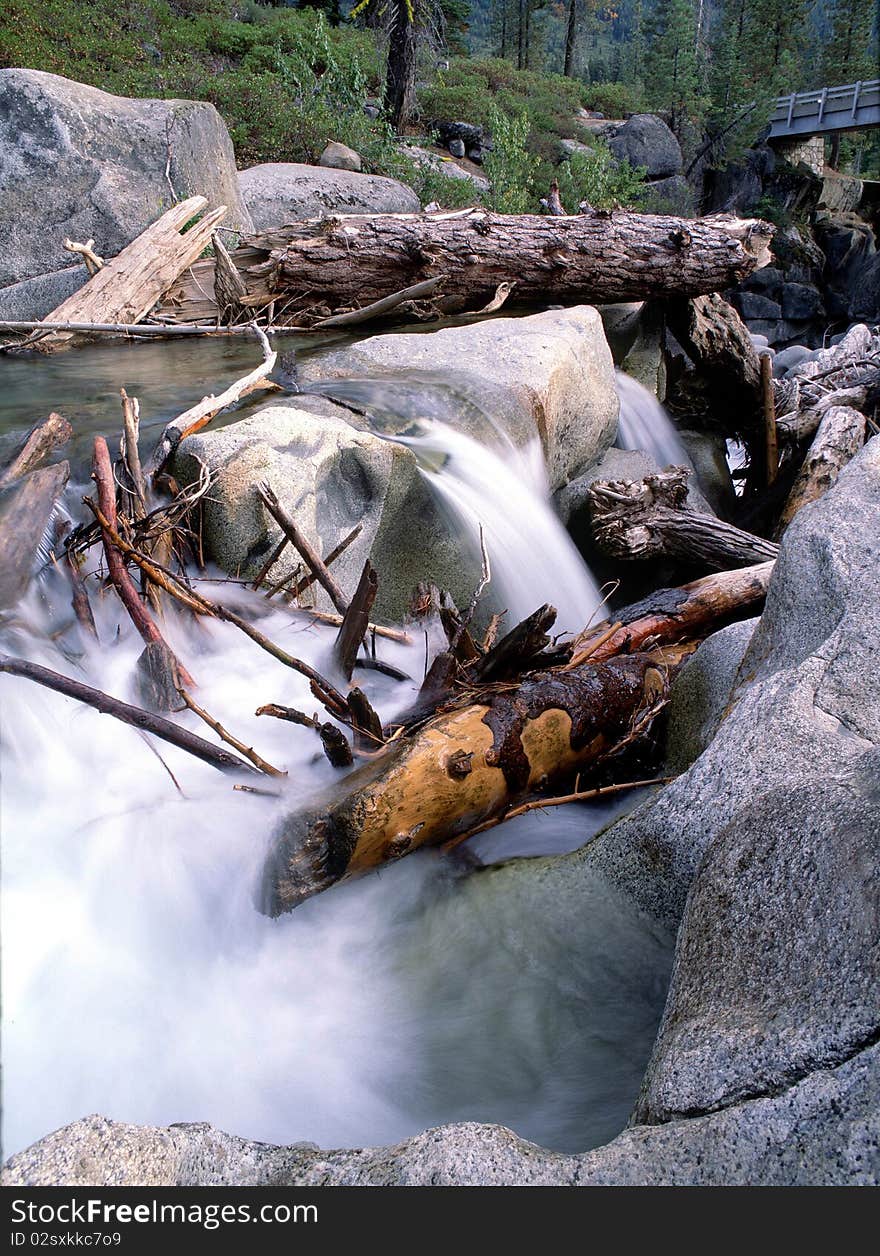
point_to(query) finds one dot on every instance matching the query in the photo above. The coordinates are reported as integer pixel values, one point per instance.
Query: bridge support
(809, 149)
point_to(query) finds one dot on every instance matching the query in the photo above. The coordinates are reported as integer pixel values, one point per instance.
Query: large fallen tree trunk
(306, 270)
(459, 770)
(470, 763)
(648, 519)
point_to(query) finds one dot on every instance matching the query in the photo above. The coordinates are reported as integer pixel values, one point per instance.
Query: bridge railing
(827, 109)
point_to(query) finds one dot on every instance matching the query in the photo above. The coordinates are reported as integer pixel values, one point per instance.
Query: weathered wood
(348, 261)
(26, 507)
(718, 341)
(771, 439)
(79, 600)
(840, 436)
(354, 624)
(43, 438)
(648, 518)
(128, 286)
(679, 614)
(102, 473)
(354, 318)
(518, 649)
(146, 721)
(230, 290)
(418, 794)
(201, 414)
(303, 546)
(336, 745)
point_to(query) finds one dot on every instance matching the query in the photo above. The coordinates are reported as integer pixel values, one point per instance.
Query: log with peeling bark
(459, 770)
(311, 270)
(648, 518)
(127, 287)
(839, 438)
(472, 761)
(718, 341)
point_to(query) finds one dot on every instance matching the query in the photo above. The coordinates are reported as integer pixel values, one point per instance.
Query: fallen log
(840, 436)
(312, 270)
(146, 721)
(26, 507)
(45, 437)
(127, 287)
(459, 770)
(671, 615)
(648, 519)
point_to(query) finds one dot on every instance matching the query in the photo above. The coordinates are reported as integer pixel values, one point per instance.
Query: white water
(505, 492)
(645, 425)
(139, 981)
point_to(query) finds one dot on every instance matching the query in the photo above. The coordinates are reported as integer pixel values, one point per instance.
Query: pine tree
(850, 52)
(672, 64)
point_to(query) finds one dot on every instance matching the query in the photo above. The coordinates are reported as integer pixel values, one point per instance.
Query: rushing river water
(139, 980)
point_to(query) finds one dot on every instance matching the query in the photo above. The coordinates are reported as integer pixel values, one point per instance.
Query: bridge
(827, 110)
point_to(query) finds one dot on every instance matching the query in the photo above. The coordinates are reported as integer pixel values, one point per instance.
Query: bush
(615, 100)
(598, 178)
(510, 167)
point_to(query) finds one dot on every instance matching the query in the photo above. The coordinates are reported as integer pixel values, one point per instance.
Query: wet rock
(338, 156)
(280, 192)
(547, 377)
(78, 162)
(645, 140)
(331, 477)
(823, 1131)
(700, 694)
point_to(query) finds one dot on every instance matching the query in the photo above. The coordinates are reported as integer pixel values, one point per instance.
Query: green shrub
(510, 167)
(615, 100)
(597, 177)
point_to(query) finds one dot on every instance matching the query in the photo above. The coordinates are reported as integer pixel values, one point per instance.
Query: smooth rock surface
(824, 1131)
(78, 162)
(331, 477)
(338, 156)
(444, 166)
(35, 298)
(546, 377)
(281, 192)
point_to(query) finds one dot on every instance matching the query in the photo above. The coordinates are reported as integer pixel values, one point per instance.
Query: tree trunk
(647, 519)
(464, 767)
(570, 36)
(344, 263)
(400, 77)
(718, 341)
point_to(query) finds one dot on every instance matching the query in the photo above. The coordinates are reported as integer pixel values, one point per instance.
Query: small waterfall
(645, 425)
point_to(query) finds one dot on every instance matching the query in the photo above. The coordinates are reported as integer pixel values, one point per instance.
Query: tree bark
(400, 75)
(570, 36)
(344, 263)
(718, 341)
(647, 519)
(458, 771)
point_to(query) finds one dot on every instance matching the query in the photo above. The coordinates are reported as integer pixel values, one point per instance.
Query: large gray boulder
(35, 298)
(280, 192)
(331, 477)
(822, 1131)
(645, 140)
(546, 377)
(78, 162)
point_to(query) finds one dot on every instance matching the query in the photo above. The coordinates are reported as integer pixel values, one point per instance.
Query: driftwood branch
(353, 318)
(303, 546)
(648, 518)
(146, 721)
(355, 621)
(335, 743)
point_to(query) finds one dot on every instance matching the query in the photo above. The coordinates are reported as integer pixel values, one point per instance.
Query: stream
(139, 981)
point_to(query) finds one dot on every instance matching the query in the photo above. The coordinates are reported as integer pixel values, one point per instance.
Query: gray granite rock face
(78, 162)
(645, 140)
(824, 1131)
(281, 192)
(548, 376)
(35, 298)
